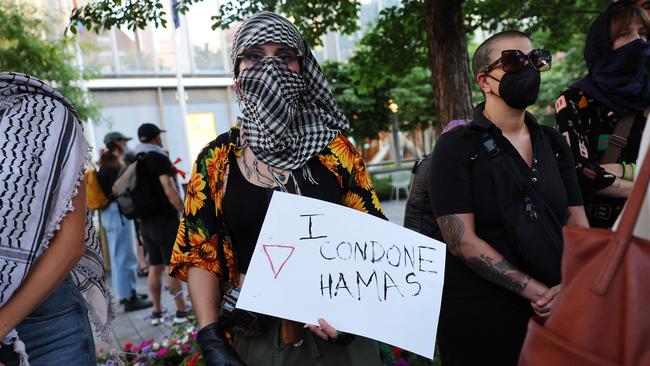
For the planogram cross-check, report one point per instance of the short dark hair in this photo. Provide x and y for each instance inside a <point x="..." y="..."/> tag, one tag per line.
<point x="481" y="58"/>
<point x="625" y="14"/>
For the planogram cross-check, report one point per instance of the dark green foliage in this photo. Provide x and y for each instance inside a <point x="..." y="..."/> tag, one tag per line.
<point x="564" y="72"/>
<point x="390" y="62"/>
<point x="562" y="19"/>
<point x="133" y="14"/>
<point x="25" y="48"/>
<point x="365" y="108"/>
<point x="414" y="96"/>
<point x="312" y="18"/>
<point x="392" y="58"/>
<point x="393" y="46"/>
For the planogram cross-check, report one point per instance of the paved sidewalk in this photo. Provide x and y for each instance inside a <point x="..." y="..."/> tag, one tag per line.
<point x="133" y="327"/>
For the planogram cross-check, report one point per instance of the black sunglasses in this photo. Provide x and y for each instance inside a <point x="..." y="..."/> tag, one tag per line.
<point x="515" y="60"/>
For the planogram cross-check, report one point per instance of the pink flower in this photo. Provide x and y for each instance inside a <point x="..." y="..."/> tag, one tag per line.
<point x="161" y="352"/>
<point x="186" y="348"/>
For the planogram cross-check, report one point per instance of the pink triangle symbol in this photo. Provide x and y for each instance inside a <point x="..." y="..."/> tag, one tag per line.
<point x="278" y="254"/>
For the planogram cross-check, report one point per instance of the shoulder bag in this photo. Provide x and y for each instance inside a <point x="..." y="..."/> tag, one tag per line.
<point x="602" y="315"/>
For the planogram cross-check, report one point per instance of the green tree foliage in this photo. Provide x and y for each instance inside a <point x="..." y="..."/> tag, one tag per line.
<point x="390" y="63"/>
<point x="313" y="18"/>
<point x="25" y="48"/>
<point x="365" y="108"/>
<point x="388" y="54"/>
<point x="568" y="67"/>
<point x="414" y="96"/>
<point x="393" y="46"/>
<point x="561" y="20"/>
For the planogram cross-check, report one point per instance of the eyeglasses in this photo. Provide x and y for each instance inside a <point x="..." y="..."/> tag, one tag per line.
<point x="256" y="57"/>
<point x="515" y="60"/>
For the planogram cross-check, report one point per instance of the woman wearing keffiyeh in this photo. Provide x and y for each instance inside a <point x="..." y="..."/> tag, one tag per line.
<point x="289" y="138"/>
<point x="51" y="269"/>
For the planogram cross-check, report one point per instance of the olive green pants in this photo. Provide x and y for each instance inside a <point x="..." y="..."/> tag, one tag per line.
<point x="268" y="349"/>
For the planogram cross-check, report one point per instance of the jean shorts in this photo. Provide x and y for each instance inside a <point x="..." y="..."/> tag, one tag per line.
<point x="58" y="331"/>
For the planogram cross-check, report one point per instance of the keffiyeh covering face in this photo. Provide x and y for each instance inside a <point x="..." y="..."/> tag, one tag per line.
<point x="43" y="153"/>
<point x="288" y="118"/>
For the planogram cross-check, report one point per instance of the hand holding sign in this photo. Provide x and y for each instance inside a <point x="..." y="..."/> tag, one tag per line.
<point x="366" y="276"/>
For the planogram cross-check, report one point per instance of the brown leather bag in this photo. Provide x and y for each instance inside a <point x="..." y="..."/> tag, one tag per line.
<point x="602" y="315"/>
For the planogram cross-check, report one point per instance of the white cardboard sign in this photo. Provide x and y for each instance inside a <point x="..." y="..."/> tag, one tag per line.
<point x="362" y="274"/>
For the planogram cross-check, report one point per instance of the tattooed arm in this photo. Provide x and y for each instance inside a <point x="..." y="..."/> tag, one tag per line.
<point x="482" y="258"/>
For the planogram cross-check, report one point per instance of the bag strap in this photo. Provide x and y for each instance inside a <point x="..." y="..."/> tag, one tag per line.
<point x="621" y="238"/>
<point x="618" y="140"/>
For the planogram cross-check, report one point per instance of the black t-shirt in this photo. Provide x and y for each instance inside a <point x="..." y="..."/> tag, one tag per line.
<point x="107" y="177"/>
<point x="155" y="165"/>
<point x="245" y="205"/>
<point x="460" y="182"/>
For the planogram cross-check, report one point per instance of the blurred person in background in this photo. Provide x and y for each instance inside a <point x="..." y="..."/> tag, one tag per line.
<point x="156" y="174"/>
<point x="119" y="229"/>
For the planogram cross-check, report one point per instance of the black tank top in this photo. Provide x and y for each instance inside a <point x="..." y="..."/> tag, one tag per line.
<point x="245" y="205"/>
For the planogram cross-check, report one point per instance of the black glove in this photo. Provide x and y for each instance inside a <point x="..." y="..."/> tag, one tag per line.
<point x="215" y="347"/>
<point x="595" y="177"/>
<point x="342" y="339"/>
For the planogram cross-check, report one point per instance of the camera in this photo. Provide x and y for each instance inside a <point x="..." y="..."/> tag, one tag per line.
<point x="241" y="322"/>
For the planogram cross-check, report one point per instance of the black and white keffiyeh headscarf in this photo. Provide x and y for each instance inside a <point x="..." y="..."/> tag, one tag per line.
<point x="288" y="118"/>
<point x="43" y="154"/>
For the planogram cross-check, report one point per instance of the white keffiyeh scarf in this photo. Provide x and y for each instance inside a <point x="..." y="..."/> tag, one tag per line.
<point x="288" y="118"/>
<point x="43" y="154"/>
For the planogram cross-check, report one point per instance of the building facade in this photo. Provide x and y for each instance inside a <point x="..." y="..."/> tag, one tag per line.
<point x="137" y="74"/>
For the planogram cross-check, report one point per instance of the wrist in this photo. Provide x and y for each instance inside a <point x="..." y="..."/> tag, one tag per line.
<point x="622" y="171"/>
<point x="534" y="290"/>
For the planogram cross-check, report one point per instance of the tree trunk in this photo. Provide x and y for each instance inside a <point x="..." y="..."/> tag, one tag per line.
<point x="448" y="59"/>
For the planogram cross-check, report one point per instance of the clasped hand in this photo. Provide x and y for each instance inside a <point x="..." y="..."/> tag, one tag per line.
<point x="543" y="305"/>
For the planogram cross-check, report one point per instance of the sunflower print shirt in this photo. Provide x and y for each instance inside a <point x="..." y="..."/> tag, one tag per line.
<point x="202" y="241"/>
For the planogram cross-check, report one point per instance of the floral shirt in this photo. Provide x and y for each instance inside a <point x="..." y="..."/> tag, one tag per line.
<point x="202" y="240"/>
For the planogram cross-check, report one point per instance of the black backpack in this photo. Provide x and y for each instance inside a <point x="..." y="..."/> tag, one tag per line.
<point x="418" y="215"/>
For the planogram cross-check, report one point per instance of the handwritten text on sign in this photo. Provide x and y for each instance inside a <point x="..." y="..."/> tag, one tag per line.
<point x="365" y="275"/>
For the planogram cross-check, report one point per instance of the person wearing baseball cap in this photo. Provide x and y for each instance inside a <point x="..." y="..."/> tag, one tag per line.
<point x="119" y="229"/>
<point x="115" y="136"/>
<point x="158" y="229"/>
<point x="147" y="132"/>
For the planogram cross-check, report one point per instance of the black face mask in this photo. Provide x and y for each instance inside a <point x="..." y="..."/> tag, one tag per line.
<point x="520" y="89"/>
